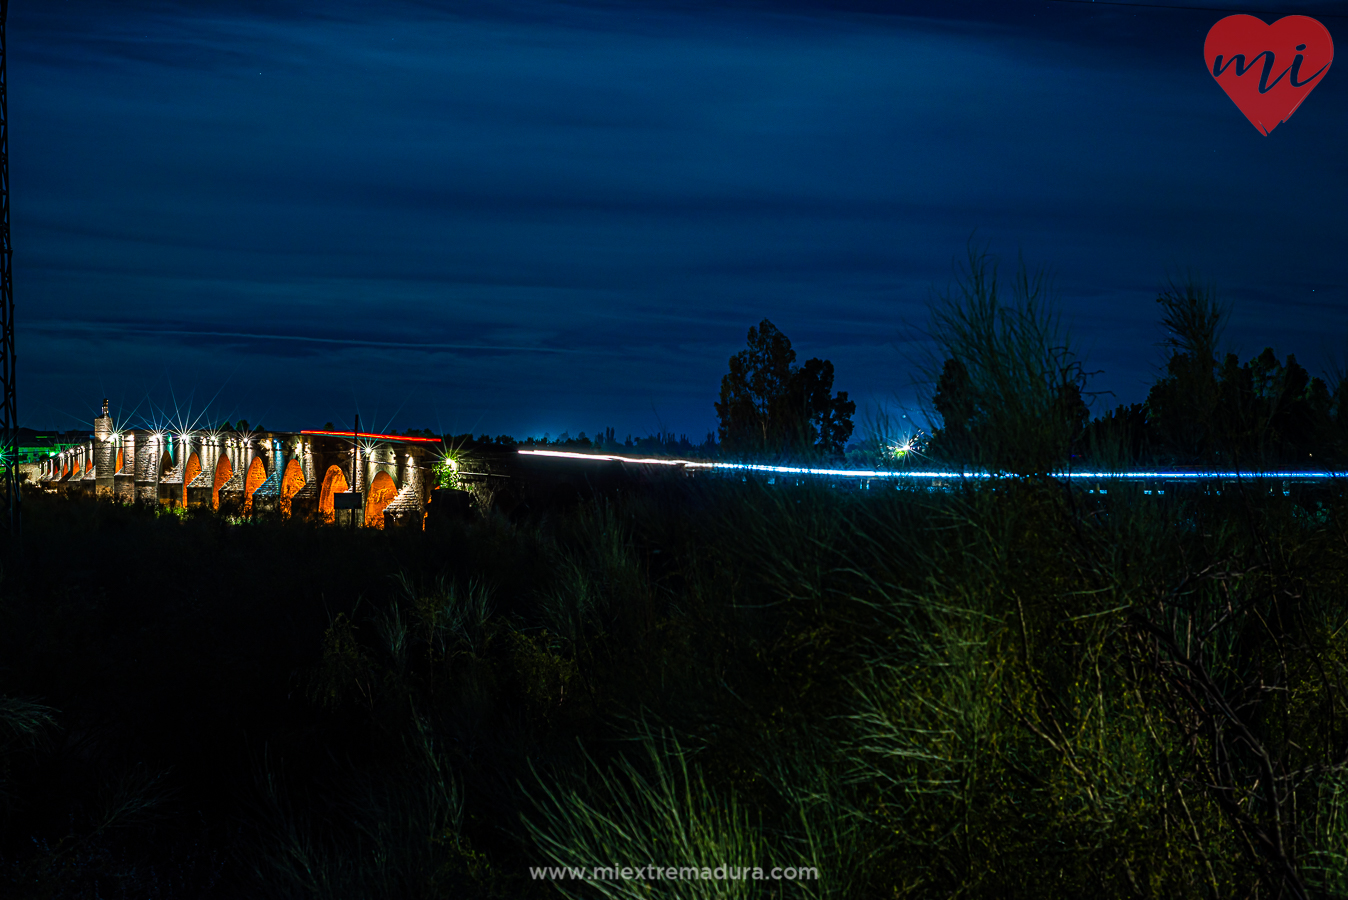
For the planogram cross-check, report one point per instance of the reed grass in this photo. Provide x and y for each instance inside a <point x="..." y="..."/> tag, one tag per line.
<point x="1009" y="689"/>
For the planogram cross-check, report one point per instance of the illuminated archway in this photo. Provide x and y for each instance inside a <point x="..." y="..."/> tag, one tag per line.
<point x="257" y="473"/>
<point x="382" y="492"/>
<point x="190" y="473"/>
<point x="121" y="460"/>
<point x="88" y="467"/>
<point x="224" y="470"/>
<point x="334" y="482"/>
<point x="291" y="482"/>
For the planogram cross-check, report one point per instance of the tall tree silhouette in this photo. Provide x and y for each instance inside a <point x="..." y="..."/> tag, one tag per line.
<point x="770" y="406"/>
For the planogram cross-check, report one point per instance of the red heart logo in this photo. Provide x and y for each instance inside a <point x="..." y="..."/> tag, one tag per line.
<point x="1268" y="69"/>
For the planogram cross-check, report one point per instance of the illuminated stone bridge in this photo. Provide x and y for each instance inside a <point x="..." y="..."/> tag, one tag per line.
<point x="306" y="473"/>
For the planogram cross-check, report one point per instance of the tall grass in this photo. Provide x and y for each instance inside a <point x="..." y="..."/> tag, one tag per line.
<point x="657" y="811"/>
<point x="998" y="729"/>
<point x="1006" y="690"/>
<point x="1013" y="396"/>
<point x="666" y="816"/>
<point x="402" y="837"/>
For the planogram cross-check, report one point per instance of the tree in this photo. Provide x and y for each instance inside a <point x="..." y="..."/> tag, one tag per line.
<point x="1270" y="411"/>
<point x="813" y="418"/>
<point x="954" y="403"/>
<point x="757" y="380"/>
<point x="1203" y="410"/>
<point x="1181" y="405"/>
<point x="770" y="406"/>
<point x="1118" y="438"/>
<point x="1011" y="390"/>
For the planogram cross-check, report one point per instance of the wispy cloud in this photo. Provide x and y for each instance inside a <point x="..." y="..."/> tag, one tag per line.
<point x="111" y="329"/>
<point x="582" y="206"/>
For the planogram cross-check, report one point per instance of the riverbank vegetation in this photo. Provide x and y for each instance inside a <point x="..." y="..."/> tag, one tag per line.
<point x="1004" y="690"/>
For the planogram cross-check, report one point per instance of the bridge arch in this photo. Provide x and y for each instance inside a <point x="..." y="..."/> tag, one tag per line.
<point x="224" y="470"/>
<point x="334" y="481"/>
<point x="387" y="468"/>
<point x="121" y="460"/>
<point x="190" y="472"/>
<point x="381" y="494"/>
<point x="257" y="474"/>
<point x="291" y="484"/>
<point x="254" y="478"/>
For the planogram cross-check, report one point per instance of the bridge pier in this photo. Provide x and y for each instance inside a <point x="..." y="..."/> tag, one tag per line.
<point x="200" y="491"/>
<point x="124" y="481"/>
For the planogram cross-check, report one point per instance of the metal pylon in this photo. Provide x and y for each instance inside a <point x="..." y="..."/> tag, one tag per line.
<point x="9" y="416"/>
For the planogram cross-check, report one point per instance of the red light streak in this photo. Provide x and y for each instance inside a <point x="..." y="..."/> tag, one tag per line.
<point x="376" y="437"/>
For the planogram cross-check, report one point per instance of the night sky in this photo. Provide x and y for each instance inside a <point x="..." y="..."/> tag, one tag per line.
<point x="530" y="217"/>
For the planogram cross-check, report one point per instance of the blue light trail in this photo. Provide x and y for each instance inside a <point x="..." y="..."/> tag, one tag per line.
<point x="933" y="475"/>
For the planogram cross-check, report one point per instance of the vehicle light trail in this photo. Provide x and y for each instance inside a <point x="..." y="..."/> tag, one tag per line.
<point x="405" y="438"/>
<point x="931" y="475"/>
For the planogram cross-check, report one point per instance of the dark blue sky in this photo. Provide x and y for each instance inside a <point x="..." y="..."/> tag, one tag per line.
<point x="530" y="217"/>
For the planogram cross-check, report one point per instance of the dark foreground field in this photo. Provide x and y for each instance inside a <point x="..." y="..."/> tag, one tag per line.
<point x="1009" y="692"/>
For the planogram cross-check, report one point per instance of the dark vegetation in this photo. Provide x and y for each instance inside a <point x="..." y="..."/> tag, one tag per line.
<point x="997" y="692"/>
<point x="1010" y="688"/>
<point x="1011" y="393"/>
<point x="770" y="407"/>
